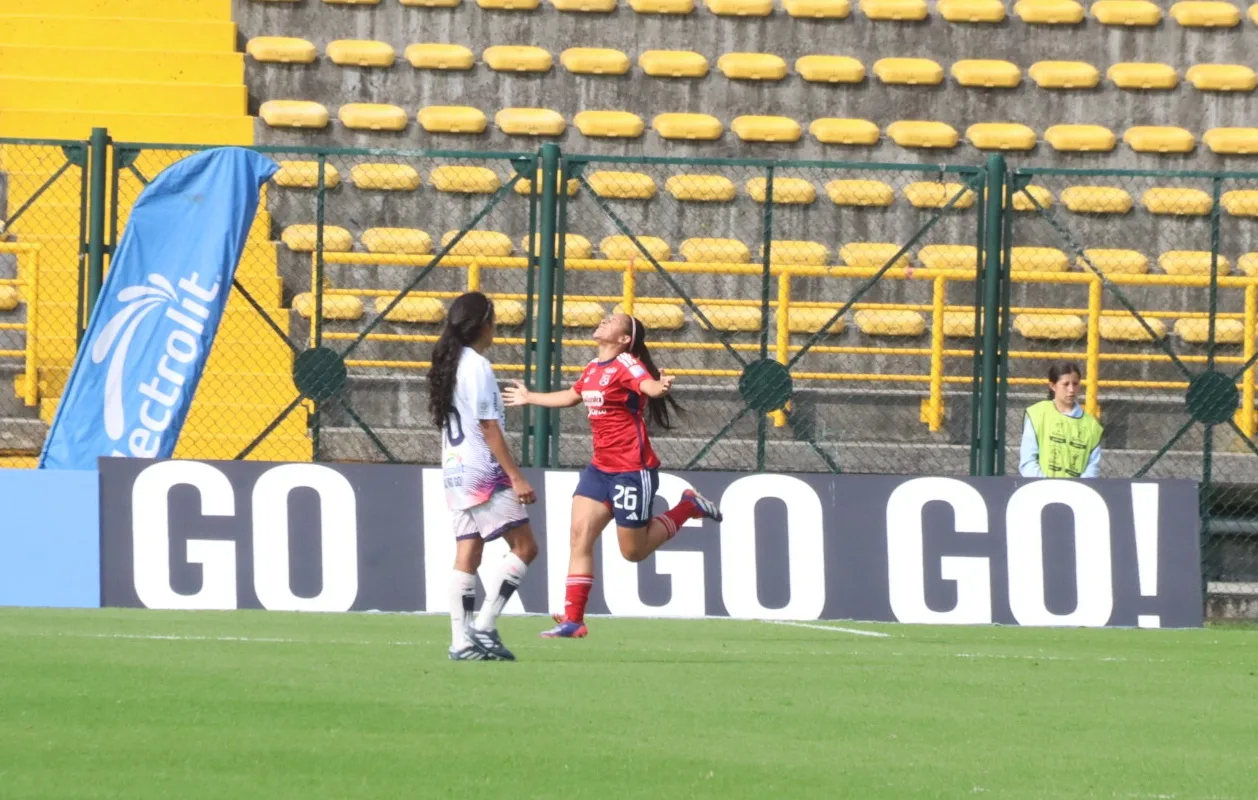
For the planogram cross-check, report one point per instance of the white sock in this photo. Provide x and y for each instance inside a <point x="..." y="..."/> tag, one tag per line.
<point x="504" y="583"/>
<point x="462" y="600"/>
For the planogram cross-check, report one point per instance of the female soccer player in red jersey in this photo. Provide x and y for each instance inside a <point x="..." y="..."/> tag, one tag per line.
<point x="620" y="389"/>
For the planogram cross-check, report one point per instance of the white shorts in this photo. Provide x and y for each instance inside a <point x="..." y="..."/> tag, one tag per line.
<point x="491" y="519"/>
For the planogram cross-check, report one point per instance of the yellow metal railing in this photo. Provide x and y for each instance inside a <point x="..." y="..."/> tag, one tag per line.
<point x="935" y="376"/>
<point x="28" y="289"/>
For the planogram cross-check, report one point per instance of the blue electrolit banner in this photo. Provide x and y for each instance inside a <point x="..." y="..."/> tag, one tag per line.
<point x="158" y="311"/>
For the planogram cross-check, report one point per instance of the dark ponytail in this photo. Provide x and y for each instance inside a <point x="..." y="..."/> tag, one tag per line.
<point x="1060" y="370"/>
<point x="657" y="408"/>
<point x="469" y="314"/>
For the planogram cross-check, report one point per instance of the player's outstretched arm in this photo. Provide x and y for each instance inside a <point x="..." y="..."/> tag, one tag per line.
<point x="517" y="394"/>
<point x="655" y="389"/>
<point x="497" y="444"/>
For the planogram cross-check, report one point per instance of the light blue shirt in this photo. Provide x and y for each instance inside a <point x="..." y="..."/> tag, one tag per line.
<point x="1029" y="460"/>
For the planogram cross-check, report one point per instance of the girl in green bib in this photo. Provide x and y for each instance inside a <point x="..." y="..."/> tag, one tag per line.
<point x="1059" y="438"/>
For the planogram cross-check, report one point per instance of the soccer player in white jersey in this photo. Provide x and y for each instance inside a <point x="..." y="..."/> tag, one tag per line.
<point x="484" y="487"/>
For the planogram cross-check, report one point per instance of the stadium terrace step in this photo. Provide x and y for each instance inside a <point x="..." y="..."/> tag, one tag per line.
<point x="106" y="63"/>
<point x="171" y="128"/>
<point x="112" y="95"/>
<point x="39" y="28"/>
<point x="204" y="10"/>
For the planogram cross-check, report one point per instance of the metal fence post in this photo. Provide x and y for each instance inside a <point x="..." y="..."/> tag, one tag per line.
<point x="96" y="219"/>
<point x="991" y="313"/>
<point x="545" y="339"/>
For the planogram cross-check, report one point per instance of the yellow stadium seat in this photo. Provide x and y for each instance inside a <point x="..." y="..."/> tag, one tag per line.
<point x="508" y="312"/>
<point x="1038" y="259"/>
<point x="385" y="177"/>
<point x="1049" y="12"/>
<point x="9" y="298"/>
<point x="574" y="246"/>
<point x="1096" y="200"/>
<point x="1192" y="262"/>
<point x="464" y="180"/>
<point x="740" y="8"/>
<point x="752" y="66"/>
<point x="811" y="320"/>
<point x="452" y="119"/>
<point x="530" y="122"/>
<point x="416" y="310"/>
<point x="629" y="248"/>
<point x="396" y="240"/>
<point x="373" y="117"/>
<point x="971" y="11"/>
<point x="594" y="61"/>
<point x="1114" y="262"/>
<point x="509" y="5"/>
<point x="766" y="129"/>
<point x="1137" y="75"/>
<point x="673" y="64"/>
<point x="517" y="58"/>
<point x="871" y="255"/>
<point x="582" y="314"/>
<point x="1240" y="202"/>
<point x="958" y="324"/>
<point x="1022" y="198"/>
<point x="1131" y="13"/>
<point x="1232" y="141"/>
<point x="986" y="73"/>
<point x="478" y="243"/>
<point x="609" y="124"/>
<point x="793" y="191"/>
<point x="1000" y="136"/>
<point x="929" y="194"/>
<point x="1081" y="138"/>
<point x="1248" y="264"/>
<point x="293" y="114"/>
<point x="701" y="188"/>
<point x="923" y="133"/>
<point x="1177" y="201"/>
<point x="894" y="10"/>
<point x="909" y="71"/>
<point x="830" y="69"/>
<point x="585" y="6"/>
<point x="281" y="50"/>
<point x="524" y="186"/>
<point x="1050" y="327"/>
<point x="305" y="175"/>
<point x="887" y="322"/>
<point x="832" y="130"/>
<point x="818" y="9"/>
<point x="303" y="238"/>
<point x="1064" y="74"/>
<point x="948" y="256"/>
<point x="622" y="185"/>
<point x="1253" y="13"/>
<point x="352" y="2"/>
<point x="440" y="56"/>
<point x="796" y="253"/>
<point x="431" y="3"/>
<point x="662" y="6"/>
<point x="1197" y="331"/>
<point x="361" y="53"/>
<point x="657" y="316"/>
<point x="731" y="319"/>
<point x="343" y="307"/>
<point x="1205" y="14"/>
<point x="1222" y="78"/>
<point x="1159" y="139"/>
<point x="693" y="127"/>
<point x="1129" y="329"/>
<point x="715" y="251"/>
<point x="860" y="193"/>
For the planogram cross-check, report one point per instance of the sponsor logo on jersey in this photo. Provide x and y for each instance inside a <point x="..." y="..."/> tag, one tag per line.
<point x="592" y="399"/>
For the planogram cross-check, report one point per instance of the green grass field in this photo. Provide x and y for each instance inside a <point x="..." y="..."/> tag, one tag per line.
<point x="125" y="704"/>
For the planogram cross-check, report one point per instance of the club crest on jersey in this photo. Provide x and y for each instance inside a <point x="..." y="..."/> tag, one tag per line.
<point x="606" y="379"/>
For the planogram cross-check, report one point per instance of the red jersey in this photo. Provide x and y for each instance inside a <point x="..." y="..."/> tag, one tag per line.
<point x="612" y="393"/>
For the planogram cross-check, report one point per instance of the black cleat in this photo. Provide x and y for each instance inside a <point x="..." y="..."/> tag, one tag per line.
<point x="490" y="645"/>
<point x="469" y="653"/>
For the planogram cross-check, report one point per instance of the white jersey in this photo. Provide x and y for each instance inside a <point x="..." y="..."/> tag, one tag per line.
<point x="470" y="471"/>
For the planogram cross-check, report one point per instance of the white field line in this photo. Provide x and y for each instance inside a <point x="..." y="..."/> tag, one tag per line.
<point x="832" y="628"/>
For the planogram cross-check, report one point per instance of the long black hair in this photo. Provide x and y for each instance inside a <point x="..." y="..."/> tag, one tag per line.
<point x="469" y="314"/>
<point x="658" y="409"/>
<point x="1060" y="370"/>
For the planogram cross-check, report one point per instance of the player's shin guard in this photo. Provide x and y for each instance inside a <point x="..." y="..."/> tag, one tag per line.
<point x="462" y="601"/>
<point x="504" y="584"/>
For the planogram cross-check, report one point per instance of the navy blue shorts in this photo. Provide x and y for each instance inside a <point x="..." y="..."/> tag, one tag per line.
<point x="628" y="494"/>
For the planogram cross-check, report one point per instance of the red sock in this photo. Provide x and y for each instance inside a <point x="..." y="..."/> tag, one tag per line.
<point x="577" y="595"/>
<point x="678" y="515"/>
